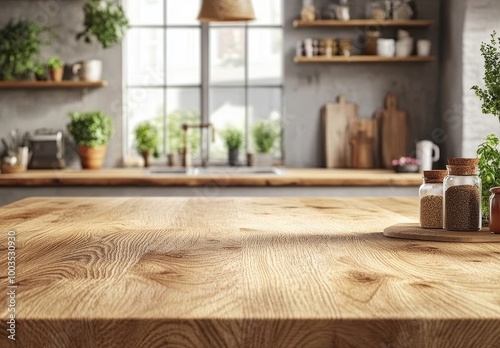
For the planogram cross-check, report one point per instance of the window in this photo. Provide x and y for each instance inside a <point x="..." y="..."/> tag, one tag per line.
<point x="178" y="71"/>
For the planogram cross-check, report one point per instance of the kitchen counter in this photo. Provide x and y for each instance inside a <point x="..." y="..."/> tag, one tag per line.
<point x="243" y="272"/>
<point x="139" y="177"/>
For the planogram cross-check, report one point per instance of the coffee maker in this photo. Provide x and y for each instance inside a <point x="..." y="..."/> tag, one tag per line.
<point x="47" y="149"/>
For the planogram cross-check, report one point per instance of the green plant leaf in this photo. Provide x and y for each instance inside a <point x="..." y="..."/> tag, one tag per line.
<point x="91" y="128"/>
<point x="233" y="138"/>
<point x="146" y="137"/>
<point x="264" y="136"/>
<point x="105" y="21"/>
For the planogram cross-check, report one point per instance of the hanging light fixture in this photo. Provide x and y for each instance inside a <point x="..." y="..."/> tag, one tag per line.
<point x="226" y="11"/>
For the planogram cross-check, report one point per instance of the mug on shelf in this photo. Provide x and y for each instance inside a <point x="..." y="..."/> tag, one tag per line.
<point x="424" y="48"/>
<point x="386" y="47"/>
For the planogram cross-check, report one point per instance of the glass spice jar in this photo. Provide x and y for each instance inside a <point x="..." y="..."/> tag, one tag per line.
<point x="308" y="12"/>
<point x="431" y="199"/>
<point x="462" y="195"/>
<point x="495" y="210"/>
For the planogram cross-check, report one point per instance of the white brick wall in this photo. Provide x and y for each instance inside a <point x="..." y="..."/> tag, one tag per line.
<point x="481" y="18"/>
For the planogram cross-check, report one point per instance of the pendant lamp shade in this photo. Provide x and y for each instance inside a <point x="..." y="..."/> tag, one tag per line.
<point x="226" y="11"/>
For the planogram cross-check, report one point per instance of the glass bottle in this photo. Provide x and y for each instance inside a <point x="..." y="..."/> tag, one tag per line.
<point x="343" y="11"/>
<point x="495" y="210"/>
<point x="462" y="195"/>
<point x="431" y="199"/>
<point x="308" y="12"/>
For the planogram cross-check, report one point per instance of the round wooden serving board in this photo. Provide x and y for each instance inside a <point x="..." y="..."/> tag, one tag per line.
<point x="414" y="231"/>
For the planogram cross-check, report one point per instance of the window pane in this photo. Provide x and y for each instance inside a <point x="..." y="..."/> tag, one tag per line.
<point x="267" y="12"/>
<point x="183" y="57"/>
<point x="265" y="104"/>
<point x="227" y="108"/>
<point x="183" y="12"/>
<point x="145" y="62"/>
<point x="145" y="12"/>
<point x="265" y="56"/>
<point x="227" y="56"/>
<point x="144" y="104"/>
<point x="183" y="106"/>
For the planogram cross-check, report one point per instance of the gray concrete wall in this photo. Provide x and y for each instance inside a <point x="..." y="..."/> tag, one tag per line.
<point x="307" y="87"/>
<point x="32" y="109"/>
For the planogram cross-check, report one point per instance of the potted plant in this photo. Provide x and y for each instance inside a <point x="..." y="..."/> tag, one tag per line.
<point x="489" y="156"/>
<point x="104" y="21"/>
<point x="175" y="135"/>
<point x="91" y="131"/>
<point x="264" y="136"/>
<point x="20" y="44"/>
<point x="147" y="139"/>
<point x="40" y="71"/>
<point x="233" y="138"/>
<point x="56" y="68"/>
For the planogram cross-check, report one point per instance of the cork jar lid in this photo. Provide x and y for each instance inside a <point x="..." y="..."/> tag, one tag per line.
<point x="462" y="170"/>
<point x="434" y="176"/>
<point x="463" y="161"/>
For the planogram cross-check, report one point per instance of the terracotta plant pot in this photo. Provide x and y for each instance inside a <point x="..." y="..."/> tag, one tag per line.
<point x="148" y="158"/>
<point x="92" y="157"/>
<point x="56" y="74"/>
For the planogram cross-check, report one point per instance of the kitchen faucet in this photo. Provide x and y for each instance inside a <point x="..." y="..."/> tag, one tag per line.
<point x="204" y="143"/>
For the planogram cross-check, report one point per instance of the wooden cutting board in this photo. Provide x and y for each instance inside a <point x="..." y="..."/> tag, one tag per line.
<point x="336" y="120"/>
<point x="393" y="131"/>
<point x="414" y="231"/>
<point x="363" y="134"/>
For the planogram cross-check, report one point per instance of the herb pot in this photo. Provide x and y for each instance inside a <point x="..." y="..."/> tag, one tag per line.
<point x="148" y="158"/>
<point x="495" y="210"/>
<point x="92" y="157"/>
<point x="56" y="74"/>
<point x="263" y="159"/>
<point x="172" y="160"/>
<point x="233" y="156"/>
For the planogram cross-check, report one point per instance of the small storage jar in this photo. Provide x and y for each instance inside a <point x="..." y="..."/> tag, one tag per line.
<point x="431" y="199"/>
<point x="462" y="195"/>
<point x="495" y="210"/>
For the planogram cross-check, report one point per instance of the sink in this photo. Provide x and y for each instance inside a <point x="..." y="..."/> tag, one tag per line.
<point x="236" y="170"/>
<point x="214" y="171"/>
<point x="167" y="170"/>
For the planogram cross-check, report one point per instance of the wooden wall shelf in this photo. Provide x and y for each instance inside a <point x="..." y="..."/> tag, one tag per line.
<point x="362" y="23"/>
<point x="364" y="59"/>
<point x="51" y="84"/>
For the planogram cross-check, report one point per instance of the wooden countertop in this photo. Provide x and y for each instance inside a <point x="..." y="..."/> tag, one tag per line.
<point x="139" y="177"/>
<point x="243" y="272"/>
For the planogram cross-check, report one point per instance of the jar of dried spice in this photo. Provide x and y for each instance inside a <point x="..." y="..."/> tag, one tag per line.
<point x="462" y="195"/>
<point x="431" y="199"/>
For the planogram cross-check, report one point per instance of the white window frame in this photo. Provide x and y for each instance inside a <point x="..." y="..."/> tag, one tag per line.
<point x="205" y="87"/>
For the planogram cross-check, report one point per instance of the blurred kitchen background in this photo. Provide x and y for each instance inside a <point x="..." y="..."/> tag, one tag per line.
<point x="170" y="69"/>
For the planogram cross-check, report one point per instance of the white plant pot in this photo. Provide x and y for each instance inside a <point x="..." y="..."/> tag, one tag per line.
<point x="89" y="70"/>
<point x="263" y="159"/>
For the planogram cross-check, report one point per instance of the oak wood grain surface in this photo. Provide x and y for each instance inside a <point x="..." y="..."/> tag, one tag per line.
<point x="139" y="177"/>
<point x="242" y="272"/>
